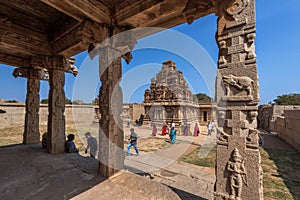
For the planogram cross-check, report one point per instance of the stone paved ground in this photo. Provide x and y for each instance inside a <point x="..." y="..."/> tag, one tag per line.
<point x="272" y="141"/>
<point x="27" y="172"/>
<point x="189" y="181"/>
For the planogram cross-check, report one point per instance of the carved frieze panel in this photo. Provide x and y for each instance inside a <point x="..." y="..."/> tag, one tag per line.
<point x="40" y="74"/>
<point x="238" y="88"/>
<point x="237" y="175"/>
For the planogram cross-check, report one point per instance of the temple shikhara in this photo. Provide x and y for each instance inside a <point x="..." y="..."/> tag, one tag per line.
<point x="39" y="37"/>
<point x="169" y="98"/>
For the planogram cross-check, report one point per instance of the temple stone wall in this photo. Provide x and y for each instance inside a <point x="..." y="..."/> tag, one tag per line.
<point x="15" y="114"/>
<point x="132" y="111"/>
<point x="136" y="110"/>
<point x="268" y="114"/>
<point x="285" y="120"/>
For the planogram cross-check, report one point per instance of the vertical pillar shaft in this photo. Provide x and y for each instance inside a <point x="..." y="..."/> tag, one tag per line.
<point x="31" y="128"/>
<point x="238" y="170"/>
<point x="56" y="108"/>
<point x="111" y="136"/>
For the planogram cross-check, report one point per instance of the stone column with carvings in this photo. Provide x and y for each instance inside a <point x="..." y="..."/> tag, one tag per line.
<point x="31" y="127"/>
<point x="238" y="170"/>
<point x="111" y="154"/>
<point x="110" y="51"/>
<point x="56" y="104"/>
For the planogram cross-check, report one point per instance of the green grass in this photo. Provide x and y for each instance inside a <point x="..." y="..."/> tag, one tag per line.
<point x="281" y="174"/>
<point x="281" y="171"/>
<point x="195" y="158"/>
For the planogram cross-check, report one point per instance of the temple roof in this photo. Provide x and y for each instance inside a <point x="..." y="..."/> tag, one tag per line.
<point x="55" y="27"/>
<point x="168" y="85"/>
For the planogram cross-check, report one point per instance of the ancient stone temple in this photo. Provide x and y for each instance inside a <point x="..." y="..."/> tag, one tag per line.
<point x="41" y="35"/>
<point x="169" y="98"/>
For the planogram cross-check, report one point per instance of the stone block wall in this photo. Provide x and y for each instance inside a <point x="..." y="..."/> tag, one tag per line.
<point x="136" y="110"/>
<point x="267" y="115"/>
<point x="14" y="114"/>
<point x="285" y="120"/>
<point x="288" y="127"/>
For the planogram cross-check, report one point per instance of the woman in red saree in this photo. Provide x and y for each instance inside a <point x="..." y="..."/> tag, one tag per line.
<point x="164" y="129"/>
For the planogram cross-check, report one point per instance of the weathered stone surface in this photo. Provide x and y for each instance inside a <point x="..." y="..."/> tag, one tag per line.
<point x="169" y="98"/>
<point x="237" y="98"/>
<point x="31" y="126"/>
<point x="285" y="120"/>
<point x="111" y="137"/>
<point x="56" y="106"/>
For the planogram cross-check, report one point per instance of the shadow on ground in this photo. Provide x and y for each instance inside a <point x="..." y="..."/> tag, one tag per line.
<point x="282" y="180"/>
<point x="28" y="172"/>
<point x="185" y="195"/>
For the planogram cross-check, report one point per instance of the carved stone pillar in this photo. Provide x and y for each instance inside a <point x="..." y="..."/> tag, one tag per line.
<point x="56" y="105"/>
<point x="31" y="127"/>
<point x="238" y="170"/>
<point x="111" y="138"/>
<point x="110" y="51"/>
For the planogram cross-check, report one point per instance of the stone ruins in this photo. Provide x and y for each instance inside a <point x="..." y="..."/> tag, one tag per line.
<point x="39" y="36"/>
<point x="169" y="98"/>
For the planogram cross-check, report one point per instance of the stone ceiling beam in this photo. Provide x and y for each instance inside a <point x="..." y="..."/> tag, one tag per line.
<point x="127" y="11"/>
<point x="13" y="60"/>
<point x="33" y="8"/>
<point x="16" y="16"/>
<point x="79" y="39"/>
<point x="76" y="41"/>
<point x="22" y="40"/>
<point x="159" y="13"/>
<point x="80" y="10"/>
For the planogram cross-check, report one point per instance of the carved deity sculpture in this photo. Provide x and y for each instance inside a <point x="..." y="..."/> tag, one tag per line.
<point x="241" y="83"/>
<point x="147" y="94"/>
<point x="237" y="175"/>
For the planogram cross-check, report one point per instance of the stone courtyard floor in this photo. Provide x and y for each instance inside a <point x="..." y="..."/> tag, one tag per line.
<point x="27" y="172"/>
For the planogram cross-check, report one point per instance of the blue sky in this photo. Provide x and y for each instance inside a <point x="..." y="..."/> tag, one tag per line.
<point x="277" y="49"/>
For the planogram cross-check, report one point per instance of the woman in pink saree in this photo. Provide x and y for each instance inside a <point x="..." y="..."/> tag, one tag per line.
<point x="196" y="130"/>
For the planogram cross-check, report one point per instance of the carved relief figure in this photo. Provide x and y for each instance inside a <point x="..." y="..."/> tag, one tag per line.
<point x="242" y="83"/>
<point x="252" y="138"/>
<point x="237" y="175"/>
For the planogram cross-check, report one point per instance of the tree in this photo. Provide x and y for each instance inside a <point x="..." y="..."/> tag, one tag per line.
<point x="68" y="101"/>
<point x="201" y="97"/>
<point x="46" y="101"/>
<point x="78" y="102"/>
<point x="288" y="99"/>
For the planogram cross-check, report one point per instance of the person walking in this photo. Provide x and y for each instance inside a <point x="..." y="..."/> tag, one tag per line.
<point x="172" y="124"/>
<point x="172" y="135"/>
<point x="185" y="129"/>
<point x="132" y="142"/>
<point x="91" y="144"/>
<point x="154" y="130"/>
<point x="180" y="129"/>
<point x="164" y="129"/>
<point x="196" y="130"/>
<point x="210" y="127"/>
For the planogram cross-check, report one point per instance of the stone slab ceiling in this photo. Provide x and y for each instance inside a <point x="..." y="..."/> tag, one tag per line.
<point x="55" y="27"/>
